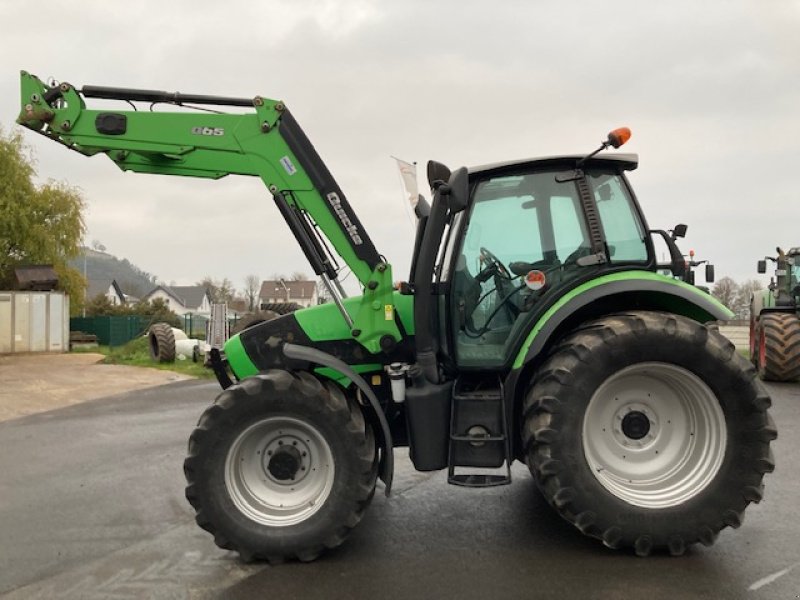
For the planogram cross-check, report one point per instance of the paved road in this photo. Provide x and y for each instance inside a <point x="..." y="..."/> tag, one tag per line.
<point x="92" y="506"/>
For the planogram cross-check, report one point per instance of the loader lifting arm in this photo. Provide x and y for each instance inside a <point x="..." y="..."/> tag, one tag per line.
<point x="266" y="142"/>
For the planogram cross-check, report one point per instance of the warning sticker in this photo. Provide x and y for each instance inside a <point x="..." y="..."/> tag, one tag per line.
<point x="388" y="312"/>
<point x="535" y="280"/>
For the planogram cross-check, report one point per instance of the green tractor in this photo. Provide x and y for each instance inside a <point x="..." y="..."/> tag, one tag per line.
<point x="533" y="327"/>
<point x="774" y="320"/>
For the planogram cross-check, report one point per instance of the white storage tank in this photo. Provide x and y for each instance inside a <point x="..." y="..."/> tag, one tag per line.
<point x="34" y="322"/>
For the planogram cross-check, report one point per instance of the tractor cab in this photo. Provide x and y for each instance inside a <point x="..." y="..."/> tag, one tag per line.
<point x="531" y="231"/>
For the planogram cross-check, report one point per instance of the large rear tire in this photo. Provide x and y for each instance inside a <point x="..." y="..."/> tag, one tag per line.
<point x="780" y="350"/>
<point x="281" y="467"/>
<point x="161" y="340"/>
<point x="648" y="431"/>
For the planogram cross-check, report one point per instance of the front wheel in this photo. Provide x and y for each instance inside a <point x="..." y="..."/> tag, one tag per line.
<point x="281" y="467"/>
<point x="648" y="431"/>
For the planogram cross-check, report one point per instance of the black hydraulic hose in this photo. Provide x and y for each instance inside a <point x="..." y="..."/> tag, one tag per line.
<point x="113" y="93"/>
<point x="304" y="353"/>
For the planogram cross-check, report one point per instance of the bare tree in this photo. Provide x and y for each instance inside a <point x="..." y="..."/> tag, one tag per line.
<point x="252" y="285"/>
<point x="220" y="291"/>
<point x="743" y="295"/>
<point x="298" y="276"/>
<point x="725" y="291"/>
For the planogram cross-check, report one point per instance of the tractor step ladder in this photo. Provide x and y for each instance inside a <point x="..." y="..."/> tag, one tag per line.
<point x="479" y="437"/>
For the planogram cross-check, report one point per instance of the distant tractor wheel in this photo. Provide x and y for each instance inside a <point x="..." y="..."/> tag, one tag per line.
<point x="649" y="432"/>
<point x="162" y="343"/>
<point x="281" y="467"/>
<point x="779" y="358"/>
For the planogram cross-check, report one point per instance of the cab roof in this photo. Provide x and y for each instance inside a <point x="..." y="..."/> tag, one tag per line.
<point x="627" y="162"/>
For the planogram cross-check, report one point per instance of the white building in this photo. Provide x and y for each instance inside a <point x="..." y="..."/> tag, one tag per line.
<point x="183" y="300"/>
<point x="282" y="291"/>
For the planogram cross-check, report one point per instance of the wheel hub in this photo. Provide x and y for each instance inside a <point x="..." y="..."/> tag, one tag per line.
<point x="286" y="459"/>
<point x="285" y="463"/>
<point x="635" y="425"/>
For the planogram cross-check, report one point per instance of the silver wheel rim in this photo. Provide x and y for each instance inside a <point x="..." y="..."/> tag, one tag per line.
<point x="279" y="471"/>
<point x="654" y="435"/>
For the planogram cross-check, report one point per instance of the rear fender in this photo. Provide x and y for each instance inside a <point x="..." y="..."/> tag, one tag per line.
<point x="602" y="296"/>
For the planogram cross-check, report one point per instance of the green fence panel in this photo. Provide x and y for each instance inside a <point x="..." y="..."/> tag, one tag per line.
<point x="111" y="331"/>
<point x="195" y="325"/>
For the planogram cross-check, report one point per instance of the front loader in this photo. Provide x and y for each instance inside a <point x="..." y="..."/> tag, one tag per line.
<point x="775" y="320"/>
<point x="533" y="327"/>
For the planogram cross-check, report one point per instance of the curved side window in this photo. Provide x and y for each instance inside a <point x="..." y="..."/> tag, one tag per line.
<point x="623" y="230"/>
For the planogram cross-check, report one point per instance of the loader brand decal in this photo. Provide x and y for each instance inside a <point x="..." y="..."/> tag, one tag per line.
<point x="351" y="229"/>
<point x="288" y="165"/>
<point x="208" y="131"/>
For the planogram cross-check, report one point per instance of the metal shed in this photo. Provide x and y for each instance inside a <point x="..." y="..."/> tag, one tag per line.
<point x="34" y="322"/>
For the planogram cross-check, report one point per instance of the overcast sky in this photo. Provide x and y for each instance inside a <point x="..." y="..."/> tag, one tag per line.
<point x="710" y="89"/>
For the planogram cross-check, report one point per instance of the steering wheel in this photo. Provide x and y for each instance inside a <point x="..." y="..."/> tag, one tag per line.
<point x="492" y="261"/>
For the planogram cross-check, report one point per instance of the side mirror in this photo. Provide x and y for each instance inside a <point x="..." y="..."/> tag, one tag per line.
<point x="437" y="174"/>
<point x="459" y="190"/>
<point x="710" y="273"/>
<point x="762" y="266"/>
<point x="679" y="231"/>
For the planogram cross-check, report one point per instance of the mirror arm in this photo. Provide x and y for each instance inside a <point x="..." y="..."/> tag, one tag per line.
<point x="677" y="263"/>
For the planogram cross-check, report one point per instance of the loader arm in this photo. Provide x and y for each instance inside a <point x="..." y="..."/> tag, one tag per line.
<point x="266" y="142"/>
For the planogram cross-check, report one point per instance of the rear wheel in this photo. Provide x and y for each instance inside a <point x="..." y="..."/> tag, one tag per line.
<point x="780" y="347"/>
<point x="281" y="467"/>
<point x="648" y="431"/>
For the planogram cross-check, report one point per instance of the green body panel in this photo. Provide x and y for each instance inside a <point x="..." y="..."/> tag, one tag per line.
<point x="212" y="145"/>
<point x="643" y="276"/>
<point x="323" y="323"/>
<point x="238" y="359"/>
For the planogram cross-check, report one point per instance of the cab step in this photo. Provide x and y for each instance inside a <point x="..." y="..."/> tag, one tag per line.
<point x="478" y="435"/>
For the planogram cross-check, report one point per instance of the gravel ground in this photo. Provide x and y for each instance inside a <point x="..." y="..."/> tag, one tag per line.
<point x="34" y="383"/>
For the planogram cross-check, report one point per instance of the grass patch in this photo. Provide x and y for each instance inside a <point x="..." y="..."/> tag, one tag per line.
<point x="136" y="353"/>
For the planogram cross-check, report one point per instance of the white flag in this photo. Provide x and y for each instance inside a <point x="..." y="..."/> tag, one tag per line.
<point x="408" y="175"/>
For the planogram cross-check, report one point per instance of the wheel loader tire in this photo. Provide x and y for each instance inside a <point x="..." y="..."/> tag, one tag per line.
<point x="162" y="343"/>
<point x="281" y="467"/>
<point x="649" y="432"/>
<point x="779" y="347"/>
